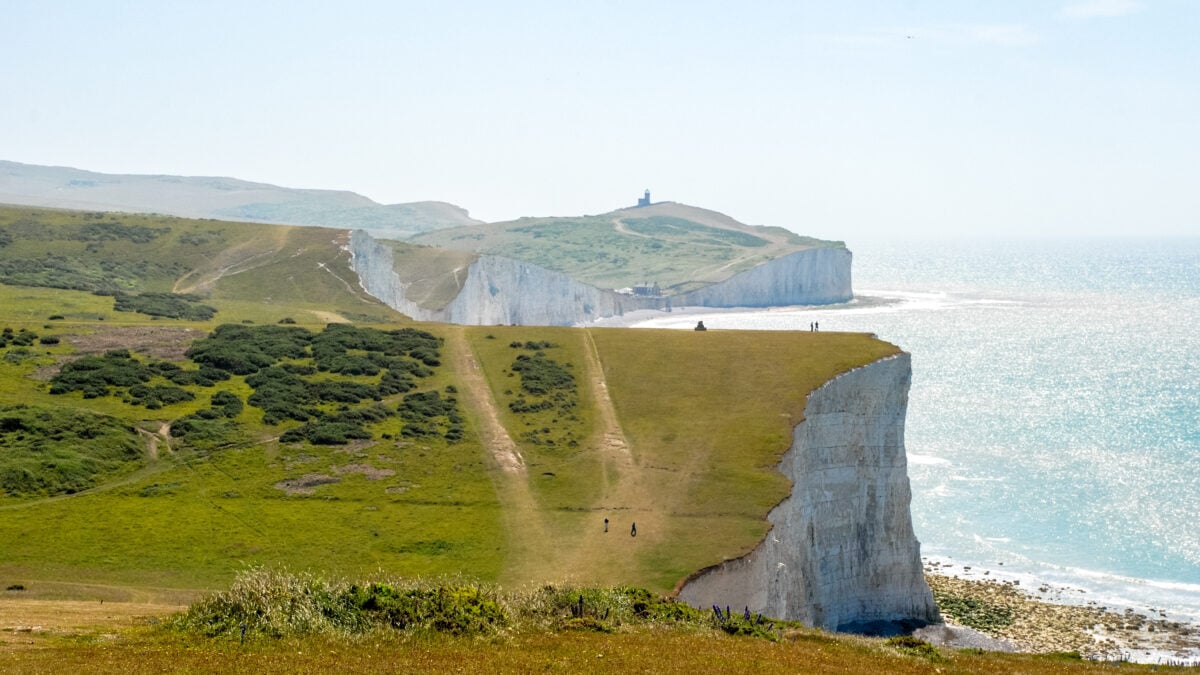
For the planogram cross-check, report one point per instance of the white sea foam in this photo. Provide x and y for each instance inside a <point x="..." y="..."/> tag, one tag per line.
<point x="927" y="460"/>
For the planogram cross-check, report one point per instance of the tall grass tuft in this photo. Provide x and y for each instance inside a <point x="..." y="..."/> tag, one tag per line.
<point x="272" y="603"/>
<point x="265" y="602"/>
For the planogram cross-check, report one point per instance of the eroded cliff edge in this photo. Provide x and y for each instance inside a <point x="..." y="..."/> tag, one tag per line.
<point x="841" y="553"/>
<point x="494" y="290"/>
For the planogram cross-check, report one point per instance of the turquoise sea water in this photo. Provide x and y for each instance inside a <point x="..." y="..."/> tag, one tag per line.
<point x="1053" y="427"/>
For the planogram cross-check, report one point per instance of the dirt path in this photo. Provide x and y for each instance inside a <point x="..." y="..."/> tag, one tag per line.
<point x="551" y="546"/>
<point x="532" y="553"/>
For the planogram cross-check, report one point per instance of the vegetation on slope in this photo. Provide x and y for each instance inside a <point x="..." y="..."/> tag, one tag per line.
<point x="46" y="452"/>
<point x="177" y="268"/>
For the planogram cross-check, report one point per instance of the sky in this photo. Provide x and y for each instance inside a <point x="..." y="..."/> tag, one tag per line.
<point x="841" y="120"/>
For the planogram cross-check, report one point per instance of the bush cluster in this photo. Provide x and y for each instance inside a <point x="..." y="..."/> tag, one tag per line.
<point x="541" y="376"/>
<point x="282" y="394"/>
<point x="532" y="345"/>
<point x="425" y="413"/>
<point x="337" y="428"/>
<point x="546" y="385"/>
<point x="21" y="338"/>
<point x="349" y="350"/>
<point x="95" y="376"/>
<point x="155" y="397"/>
<point x="169" y="305"/>
<point x="212" y="425"/>
<point x="244" y="350"/>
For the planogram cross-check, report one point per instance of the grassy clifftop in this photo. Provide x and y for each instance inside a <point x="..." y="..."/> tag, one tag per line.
<point x="679" y="247"/>
<point x="235" y="424"/>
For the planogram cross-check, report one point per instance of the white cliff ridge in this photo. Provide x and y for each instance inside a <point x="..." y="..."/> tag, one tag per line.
<point x="498" y="290"/>
<point x="841" y="553"/>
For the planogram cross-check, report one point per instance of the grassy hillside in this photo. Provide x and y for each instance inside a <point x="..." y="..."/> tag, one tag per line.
<point x="216" y="197"/>
<point x="247" y="272"/>
<point x="677" y="246"/>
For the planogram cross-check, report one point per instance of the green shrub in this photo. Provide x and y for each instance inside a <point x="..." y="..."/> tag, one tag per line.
<point x="244" y="350"/>
<point x="914" y="646"/>
<point x="93" y="375"/>
<point x="540" y="375"/>
<point x="170" y="305"/>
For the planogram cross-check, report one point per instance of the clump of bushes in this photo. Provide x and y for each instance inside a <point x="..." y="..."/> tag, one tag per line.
<point x="94" y="375"/>
<point x="425" y="413"/>
<point x="155" y="397"/>
<point x="531" y="345"/>
<point x="541" y="376"/>
<point x="244" y="350"/>
<point x="21" y="338"/>
<point x="169" y="305"/>
<point x="211" y="426"/>
<point x="338" y="428"/>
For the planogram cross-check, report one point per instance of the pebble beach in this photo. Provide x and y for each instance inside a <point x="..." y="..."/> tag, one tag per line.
<point x="1029" y="622"/>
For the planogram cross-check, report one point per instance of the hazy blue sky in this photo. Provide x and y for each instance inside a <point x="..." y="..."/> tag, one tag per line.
<point x="839" y="119"/>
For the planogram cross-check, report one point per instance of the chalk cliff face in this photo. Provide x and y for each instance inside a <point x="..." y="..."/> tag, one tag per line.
<point x="841" y="553"/>
<point x="816" y="276"/>
<point x="499" y="290"/>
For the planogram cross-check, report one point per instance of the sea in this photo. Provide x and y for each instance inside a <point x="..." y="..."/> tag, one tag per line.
<point x="1053" y="427"/>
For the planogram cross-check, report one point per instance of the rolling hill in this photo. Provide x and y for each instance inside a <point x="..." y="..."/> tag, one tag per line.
<point x="224" y="198"/>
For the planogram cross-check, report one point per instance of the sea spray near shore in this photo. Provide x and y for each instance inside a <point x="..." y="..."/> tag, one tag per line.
<point x="1054" y="405"/>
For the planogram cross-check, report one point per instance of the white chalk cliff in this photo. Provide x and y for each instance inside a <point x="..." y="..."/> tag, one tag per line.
<point x="499" y="290"/>
<point x="841" y="553"/>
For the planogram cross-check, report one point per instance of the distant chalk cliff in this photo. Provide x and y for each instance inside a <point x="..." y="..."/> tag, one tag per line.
<point x="841" y="553"/>
<point x="498" y="290"/>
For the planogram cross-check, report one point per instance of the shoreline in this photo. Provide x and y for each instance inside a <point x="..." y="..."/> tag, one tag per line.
<point x="1003" y="609"/>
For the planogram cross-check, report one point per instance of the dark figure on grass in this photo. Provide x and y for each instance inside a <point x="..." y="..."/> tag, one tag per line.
<point x="633" y="530"/>
<point x="606" y="524"/>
